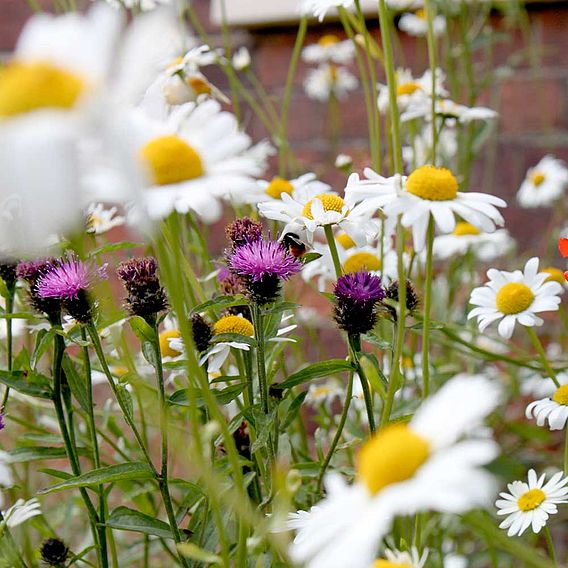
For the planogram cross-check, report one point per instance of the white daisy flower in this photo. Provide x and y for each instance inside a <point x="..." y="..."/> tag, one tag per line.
<point x="329" y="49"/>
<point x="416" y="24"/>
<point x="536" y="385"/>
<point x="319" y="8"/>
<point x="544" y="184"/>
<point x="514" y="296"/>
<point x="343" y="162"/>
<point x="301" y="188"/>
<point x="324" y="393"/>
<point x="530" y="504"/>
<point x="465" y="237"/>
<point x="455" y="561"/>
<point x="21" y="511"/>
<point x="406" y="559"/>
<point x="405" y="468"/>
<point x="411" y="89"/>
<point x="241" y="59"/>
<point x="447" y="109"/>
<point x="553" y="410"/>
<point x="101" y="220"/>
<point x="420" y="152"/>
<point x="328" y="78"/>
<point x="140" y="5"/>
<point x="62" y="96"/>
<point x="6" y="478"/>
<point x="305" y="216"/>
<point x="194" y="160"/>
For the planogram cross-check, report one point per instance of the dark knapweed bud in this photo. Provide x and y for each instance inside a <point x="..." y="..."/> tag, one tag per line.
<point x="243" y="231"/>
<point x="8" y="273"/>
<point x="412" y="297"/>
<point x="54" y="552"/>
<point x="357" y="296"/>
<point x="31" y="271"/>
<point x="202" y="333"/>
<point x="146" y="297"/>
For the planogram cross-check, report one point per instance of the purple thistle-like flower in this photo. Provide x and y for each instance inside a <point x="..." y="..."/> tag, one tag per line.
<point x="357" y="296"/>
<point x="243" y="231"/>
<point x="2" y="422"/>
<point x="262" y="265"/>
<point x="31" y="271"/>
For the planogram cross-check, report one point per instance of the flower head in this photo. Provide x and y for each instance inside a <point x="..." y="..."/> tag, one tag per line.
<point x="544" y="184"/>
<point x="146" y="297"/>
<point x="8" y="268"/>
<point x="357" y="295"/>
<point x="202" y="332"/>
<point x="530" y="504"/>
<point x="412" y="297"/>
<point x="31" y="271"/>
<point x="54" y="552"/>
<point x="553" y="409"/>
<point x="243" y="231"/>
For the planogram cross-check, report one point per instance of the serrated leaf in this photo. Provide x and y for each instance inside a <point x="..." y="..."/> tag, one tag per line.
<point x="123" y="518"/>
<point x="27" y="382"/>
<point x="110" y="474"/>
<point x="315" y="371"/>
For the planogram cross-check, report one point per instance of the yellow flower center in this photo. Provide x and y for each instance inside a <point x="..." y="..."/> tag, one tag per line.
<point x="328" y="39"/>
<point x="345" y="241"/>
<point x="554" y="275"/>
<point x="407" y="88"/>
<point x="119" y="370"/>
<point x="321" y="391"/>
<point x="537" y="178"/>
<point x="329" y="201"/>
<point x="531" y="499"/>
<point x="172" y="160"/>
<point x="233" y="324"/>
<point x="199" y="86"/>
<point x="513" y="298"/>
<point x="381" y="563"/>
<point x="561" y="395"/>
<point x="278" y="186"/>
<point x="361" y="261"/>
<point x="165" y="348"/>
<point x="463" y="229"/>
<point x="434" y="184"/>
<point x="25" y="87"/>
<point x="421" y="13"/>
<point x="391" y="456"/>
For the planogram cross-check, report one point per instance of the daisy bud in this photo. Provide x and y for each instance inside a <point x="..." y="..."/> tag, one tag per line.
<point x="31" y="271"/>
<point x="412" y="297"/>
<point x="243" y="231"/>
<point x="202" y="333"/>
<point x="357" y="296"/>
<point x="8" y="272"/>
<point x="146" y="297"/>
<point x="263" y="265"/>
<point x="54" y="552"/>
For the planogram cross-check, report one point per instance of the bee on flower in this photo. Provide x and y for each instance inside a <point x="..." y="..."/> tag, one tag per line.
<point x="544" y="184"/>
<point x="101" y="220"/>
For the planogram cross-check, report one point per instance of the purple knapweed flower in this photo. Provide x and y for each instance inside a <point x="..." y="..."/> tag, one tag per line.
<point x="31" y="271"/>
<point x="2" y="421"/>
<point x="357" y="296"/>
<point x="262" y="265"/>
<point x="243" y="231"/>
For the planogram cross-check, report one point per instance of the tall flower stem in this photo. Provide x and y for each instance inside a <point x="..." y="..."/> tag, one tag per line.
<point x="566" y="452"/>
<point x="427" y="309"/>
<point x="9" y="343"/>
<point x="550" y="544"/>
<point x="542" y="354"/>
<point x="432" y="56"/>
<point x="355" y="348"/>
<point x="338" y="432"/>
<point x="333" y="250"/>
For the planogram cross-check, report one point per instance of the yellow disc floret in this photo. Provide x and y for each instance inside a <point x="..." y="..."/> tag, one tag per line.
<point x="165" y="347"/>
<point x="434" y="184"/>
<point x="463" y="229"/>
<point x="537" y="178"/>
<point x="381" y="563"/>
<point x="345" y="241"/>
<point x="561" y="395"/>
<point x="278" y="186"/>
<point x="25" y="87"/>
<point x="407" y="88"/>
<point x="420" y="13"/>
<point x="531" y="499"/>
<point x="233" y="324"/>
<point x="200" y="86"/>
<point x="391" y="456"/>
<point x="172" y="160"/>
<point x="361" y="261"/>
<point x="329" y="201"/>
<point x="328" y="39"/>
<point x="513" y="298"/>
<point x="554" y="275"/>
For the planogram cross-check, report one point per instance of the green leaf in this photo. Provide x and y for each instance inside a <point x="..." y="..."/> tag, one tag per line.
<point x="77" y="383"/>
<point x="55" y="473"/>
<point x="282" y="307"/>
<point x="374" y="373"/>
<point x="110" y="474"/>
<point x="27" y="382"/>
<point x="263" y="426"/>
<point x="123" y="518"/>
<point x="220" y="302"/>
<point x="376" y="341"/>
<point x="44" y="341"/>
<point x="114" y="247"/>
<point x="316" y="371"/>
<point x="293" y="410"/>
<point x="193" y="552"/>
<point x="310" y="257"/>
<point x="223" y="396"/>
<point x="34" y="453"/>
<point x="125" y="399"/>
<point x="142" y="329"/>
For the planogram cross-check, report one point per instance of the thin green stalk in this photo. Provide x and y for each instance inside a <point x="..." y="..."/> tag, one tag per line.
<point x="544" y="359"/>
<point x="333" y="250"/>
<point x="550" y="544"/>
<point x="9" y="344"/>
<point x="566" y="452"/>
<point x="355" y="348"/>
<point x="5" y="533"/>
<point x="427" y="309"/>
<point x="432" y="56"/>
<point x="338" y="433"/>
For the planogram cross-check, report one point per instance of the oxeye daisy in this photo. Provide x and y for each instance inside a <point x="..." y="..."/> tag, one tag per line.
<point x="514" y="297"/>
<point x="530" y="504"/>
<point x="448" y="110"/>
<point x="324" y="393"/>
<point x="319" y="8"/>
<point x="100" y="220"/>
<point x="21" y="511"/>
<point x="329" y="48"/>
<point x="544" y="184"/>
<point x="406" y="559"/>
<point x="553" y="410"/>
<point x="301" y="188"/>
<point x="416" y="23"/>
<point x="263" y="265"/>
<point x="327" y="79"/>
<point x="403" y="469"/>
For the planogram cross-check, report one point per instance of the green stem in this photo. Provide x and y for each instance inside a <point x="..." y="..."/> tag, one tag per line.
<point x="566" y="452"/>
<point x="427" y="309"/>
<point x="550" y="544"/>
<point x="430" y="14"/>
<point x="338" y="433"/>
<point x="540" y="349"/>
<point x="333" y="250"/>
<point x="355" y="348"/>
<point x="9" y="344"/>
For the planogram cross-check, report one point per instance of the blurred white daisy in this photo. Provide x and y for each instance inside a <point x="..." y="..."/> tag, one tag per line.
<point x="21" y="511"/>
<point x="553" y="410"/>
<point x="514" y="297"/>
<point x="241" y="59"/>
<point x="324" y="393"/>
<point x="329" y="49"/>
<point x="465" y="237"/>
<point x="328" y="78"/>
<point x="405" y="468"/>
<point x="419" y="153"/>
<point x="416" y="24"/>
<point x="530" y="504"/>
<point x="343" y="162"/>
<point x="101" y="220"/>
<point x="406" y="559"/>
<point x="448" y="110"/>
<point x="139" y="5"/>
<point x="544" y="184"/>
<point x="301" y="188"/>
<point x="536" y="385"/>
<point x="319" y="8"/>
